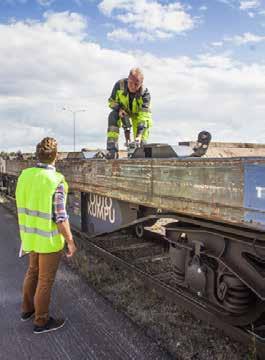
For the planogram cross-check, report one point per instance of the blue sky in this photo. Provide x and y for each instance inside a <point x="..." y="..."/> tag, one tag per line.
<point x="211" y="22"/>
<point x="204" y="64"/>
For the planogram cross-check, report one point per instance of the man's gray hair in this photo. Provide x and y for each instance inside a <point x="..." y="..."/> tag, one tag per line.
<point x="137" y="73"/>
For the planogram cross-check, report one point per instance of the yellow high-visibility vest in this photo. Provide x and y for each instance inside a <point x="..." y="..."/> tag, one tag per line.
<point x="34" y="198"/>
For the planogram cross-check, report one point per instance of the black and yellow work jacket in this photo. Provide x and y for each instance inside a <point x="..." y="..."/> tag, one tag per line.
<point x="137" y="105"/>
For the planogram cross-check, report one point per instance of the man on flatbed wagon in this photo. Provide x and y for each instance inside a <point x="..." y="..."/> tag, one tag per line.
<point x="130" y="104"/>
<point x="44" y="227"/>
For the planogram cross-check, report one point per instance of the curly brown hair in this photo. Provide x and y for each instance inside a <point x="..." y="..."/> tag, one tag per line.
<point x="46" y="150"/>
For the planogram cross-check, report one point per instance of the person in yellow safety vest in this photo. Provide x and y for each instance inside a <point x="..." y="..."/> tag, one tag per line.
<point x="44" y="227"/>
<point x="130" y="104"/>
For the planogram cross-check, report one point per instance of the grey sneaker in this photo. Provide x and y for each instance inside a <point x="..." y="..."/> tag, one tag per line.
<point x="25" y="316"/>
<point x="51" y="325"/>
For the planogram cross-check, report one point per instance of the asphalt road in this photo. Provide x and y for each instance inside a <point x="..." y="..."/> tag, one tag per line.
<point x="94" y="330"/>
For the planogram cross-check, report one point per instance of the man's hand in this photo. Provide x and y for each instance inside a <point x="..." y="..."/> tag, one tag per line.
<point x="122" y="113"/>
<point x="71" y="248"/>
<point x="64" y="229"/>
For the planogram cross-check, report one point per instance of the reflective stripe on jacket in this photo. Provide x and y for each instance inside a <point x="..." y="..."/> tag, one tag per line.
<point x="34" y="197"/>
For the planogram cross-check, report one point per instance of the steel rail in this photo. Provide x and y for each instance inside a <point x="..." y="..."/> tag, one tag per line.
<point x="199" y="309"/>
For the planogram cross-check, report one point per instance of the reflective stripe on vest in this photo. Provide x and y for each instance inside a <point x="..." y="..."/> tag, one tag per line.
<point x="31" y="230"/>
<point x="39" y="214"/>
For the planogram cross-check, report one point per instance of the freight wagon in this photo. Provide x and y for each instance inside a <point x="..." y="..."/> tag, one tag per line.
<point x="215" y="240"/>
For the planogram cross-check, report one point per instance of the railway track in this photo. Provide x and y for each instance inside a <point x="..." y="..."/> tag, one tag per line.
<point x="147" y="257"/>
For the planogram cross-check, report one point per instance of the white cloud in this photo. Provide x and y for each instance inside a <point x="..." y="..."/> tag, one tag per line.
<point x="120" y="34"/>
<point x="45" y="2"/>
<point x="162" y="34"/>
<point x="218" y="43"/>
<point x="49" y="67"/>
<point x="203" y="8"/>
<point x="150" y="16"/>
<point x="251" y="14"/>
<point x="249" y="4"/>
<point x="239" y="40"/>
<point x="244" y="5"/>
<point x="230" y="3"/>
<point x="66" y="22"/>
<point x="216" y="61"/>
<point x="138" y="36"/>
<point x="246" y="38"/>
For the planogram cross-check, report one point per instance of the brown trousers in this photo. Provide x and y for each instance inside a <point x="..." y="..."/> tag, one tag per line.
<point x="38" y="283"/>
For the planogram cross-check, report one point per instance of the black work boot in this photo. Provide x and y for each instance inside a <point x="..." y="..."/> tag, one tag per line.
<point x="112" y="149"/>
<point x="112" y="154"/>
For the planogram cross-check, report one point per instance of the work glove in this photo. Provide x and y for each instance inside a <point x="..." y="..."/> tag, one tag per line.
<point x="122" y="113"/>
<point x="202" y="144"/>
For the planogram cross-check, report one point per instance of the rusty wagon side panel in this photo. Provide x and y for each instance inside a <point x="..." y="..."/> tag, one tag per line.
<point x="214" y="189"/>
<point x="228" y="190"/>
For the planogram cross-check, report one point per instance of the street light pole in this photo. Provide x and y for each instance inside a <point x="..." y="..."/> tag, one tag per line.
<point x="74" y="120"/>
